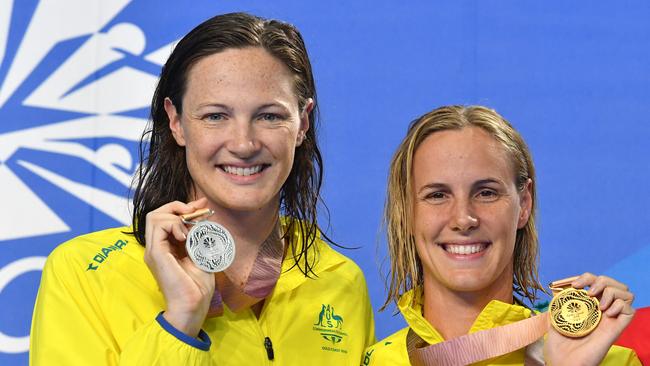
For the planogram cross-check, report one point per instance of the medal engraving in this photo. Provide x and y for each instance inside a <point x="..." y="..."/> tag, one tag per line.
<point x="210" y="246"/>
<point x="574" y="313"/>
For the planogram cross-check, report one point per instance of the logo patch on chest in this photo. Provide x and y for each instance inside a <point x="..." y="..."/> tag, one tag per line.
<point x="330" y="325"/>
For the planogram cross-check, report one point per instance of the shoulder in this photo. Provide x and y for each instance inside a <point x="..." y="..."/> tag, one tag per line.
<point x="332" y="263"/>
<point x="322" y="257"/>
<point x="92" y="251"/>
<point x="389" y="351"/>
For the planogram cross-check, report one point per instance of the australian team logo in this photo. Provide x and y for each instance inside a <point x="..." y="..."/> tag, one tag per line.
<point x="329" y="324"/>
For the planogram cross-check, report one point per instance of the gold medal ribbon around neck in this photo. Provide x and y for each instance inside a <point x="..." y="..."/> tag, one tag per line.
<point x="573" y="312"/>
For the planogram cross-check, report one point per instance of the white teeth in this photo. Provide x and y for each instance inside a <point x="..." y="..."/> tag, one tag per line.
<point x="464" y="249"/>
<point x="242" y="171"/>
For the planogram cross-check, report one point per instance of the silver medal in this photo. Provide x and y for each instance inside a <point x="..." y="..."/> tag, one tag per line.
<point x="210" y="246"/>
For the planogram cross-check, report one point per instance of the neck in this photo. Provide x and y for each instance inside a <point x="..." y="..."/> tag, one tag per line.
<point x="249" y="229"/>
<point x="452" y="313"/>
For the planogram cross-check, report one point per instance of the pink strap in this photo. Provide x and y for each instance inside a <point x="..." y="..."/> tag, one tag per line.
<point x="263" y="276"/>
<point x="478" y="346"/>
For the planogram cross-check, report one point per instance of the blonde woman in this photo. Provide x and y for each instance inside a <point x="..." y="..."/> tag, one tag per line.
<point x="463" y="244"/>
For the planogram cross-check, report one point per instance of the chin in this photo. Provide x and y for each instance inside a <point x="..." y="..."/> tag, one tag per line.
<point x="467" y="287"/>
<point x="247" y="202"/>
<point x="467" y="282"/>
<point x="243" y="206"/>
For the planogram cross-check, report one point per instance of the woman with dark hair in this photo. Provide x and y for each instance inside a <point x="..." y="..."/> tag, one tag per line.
<point x="233" y="135"/>
<point x="460" y="219"/>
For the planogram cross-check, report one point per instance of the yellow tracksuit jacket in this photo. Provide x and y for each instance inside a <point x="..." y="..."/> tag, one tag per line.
<point x="392" y="350"/>
<point x="98" y="304"/>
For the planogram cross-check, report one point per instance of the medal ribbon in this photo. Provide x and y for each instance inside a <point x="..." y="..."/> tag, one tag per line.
<point x="479" y="346"/>
<point x="260" y="281"/>
<point x="490" y="343"/>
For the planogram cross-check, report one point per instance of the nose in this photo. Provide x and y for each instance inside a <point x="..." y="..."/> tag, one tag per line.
<point x="463" y="217"/>
<point x="243" y="140"/>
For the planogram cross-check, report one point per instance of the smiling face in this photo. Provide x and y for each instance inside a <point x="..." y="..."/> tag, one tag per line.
<point x="467" y="210"/>
<point x="240" y="125"/>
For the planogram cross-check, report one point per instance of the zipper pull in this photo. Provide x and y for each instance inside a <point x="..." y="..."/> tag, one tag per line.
<point x="269" y="348"/>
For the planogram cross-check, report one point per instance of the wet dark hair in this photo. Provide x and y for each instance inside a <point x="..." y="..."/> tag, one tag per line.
<point x="163" y="175"/>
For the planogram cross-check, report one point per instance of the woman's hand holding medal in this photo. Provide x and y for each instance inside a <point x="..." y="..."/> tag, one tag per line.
<point x="187" y="289"/>
<point x="615" y="302"/>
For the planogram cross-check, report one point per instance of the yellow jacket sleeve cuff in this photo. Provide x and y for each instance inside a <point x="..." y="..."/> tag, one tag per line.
<point x="203" y="342"/>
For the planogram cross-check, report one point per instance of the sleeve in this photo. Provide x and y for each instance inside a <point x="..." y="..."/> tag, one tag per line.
<point x="367" y="356"/>
<point x="383" y="353"/>
<point x="618" y="355"/>
<point x="69" y="327"/>
<point x="165" y="345"/>
<point x="389" y="351"/>
<point x="366" y="313"/>
<point x="370" y="321"/>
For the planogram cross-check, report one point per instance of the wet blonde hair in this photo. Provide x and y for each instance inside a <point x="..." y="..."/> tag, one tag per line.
<point x="405" y="266"/>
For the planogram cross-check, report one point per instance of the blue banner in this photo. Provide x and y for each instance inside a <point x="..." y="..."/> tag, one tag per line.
<point x="76" y="79"/>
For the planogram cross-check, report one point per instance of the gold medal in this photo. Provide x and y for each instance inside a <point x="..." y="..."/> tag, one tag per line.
<point x="573" y="312"/>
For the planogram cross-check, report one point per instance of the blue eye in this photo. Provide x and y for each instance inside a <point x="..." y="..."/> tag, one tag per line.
<point x="487" y="195"/>
<point x="214" y="117"/>
<point x="271" y="117"/>
<point x="436" y="196"/>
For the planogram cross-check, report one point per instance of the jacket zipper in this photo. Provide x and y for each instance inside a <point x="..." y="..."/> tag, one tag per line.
<point x="268" y="345"/>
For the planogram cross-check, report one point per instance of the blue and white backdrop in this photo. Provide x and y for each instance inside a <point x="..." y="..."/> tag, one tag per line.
<point x="76" y="78"/>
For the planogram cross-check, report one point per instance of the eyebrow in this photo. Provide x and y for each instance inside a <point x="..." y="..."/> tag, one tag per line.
<point x="230" y="109"/>
<point x="269" y="105"/>
<point x="487" y="181"/>
<point x="433" y="186"/>
<point x="480" y="182"/>
<point x="217" y="105"/>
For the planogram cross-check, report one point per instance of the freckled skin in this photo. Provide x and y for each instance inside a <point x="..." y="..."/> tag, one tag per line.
<point x="464" y="189"/>
<point x="239" y="108"/>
